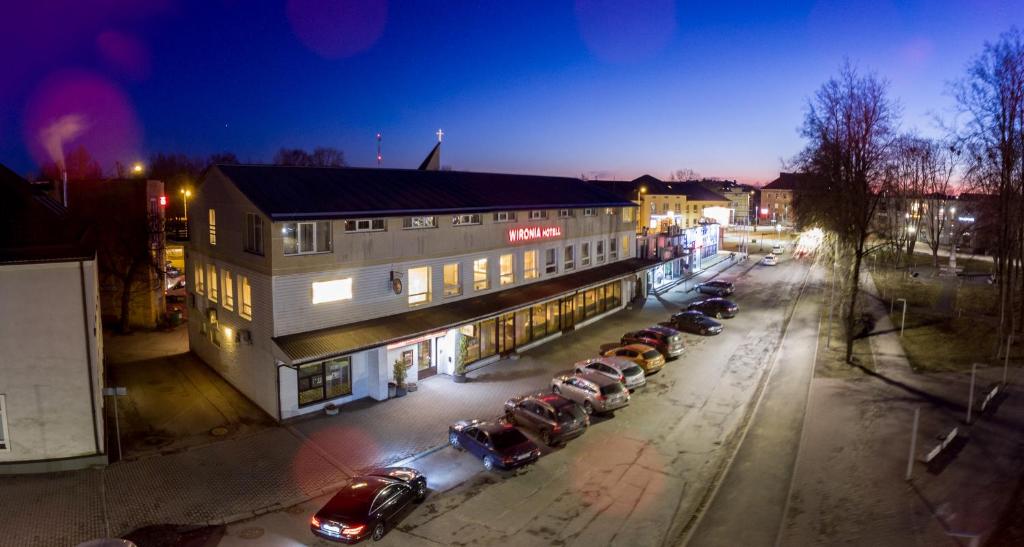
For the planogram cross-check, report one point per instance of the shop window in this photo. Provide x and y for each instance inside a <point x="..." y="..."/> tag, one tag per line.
<point x="628" y="214"/>
<point x="367" y="225"/>
<point x="301" y="238"/>
<point x="419" y="285"/>
<point x="253" y="234"/>
<point x="585" y="254"/>
<point x="553" y="317"/>
<point x="327" y="380"/>
<point x="530" y="265"/>
<point x="211" y="274"/>
<point x="506" y="269"/>
<point x="480" y="280"/>
<point x="613" y="249"/>
<point x="200" y="278"/>
<point x="229" y="290"/>
<point x="550" y="261"/>
<point x="569" y="261"/>
<point x="578" y="308"/>
<point x="213" y="228"/>
<point x="332" y="291"/>
<point x="599" y="251"/>
<point x="488" y="338"/>
<point x="613" y="293"/>
<point x="452" y="280"/>
<point x="470" y="343"/>
<point x="538" y="316"/>
<point x="5" y="445"/>
<point x="244" y="298"/>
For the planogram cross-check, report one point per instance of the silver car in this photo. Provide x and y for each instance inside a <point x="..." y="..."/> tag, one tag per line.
<point x="616" y="368"/>
<point x="596" y="392"/>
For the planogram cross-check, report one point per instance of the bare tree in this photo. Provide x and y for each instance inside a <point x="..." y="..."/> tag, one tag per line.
<point x="321" y="157"/>
<point x="850" y="125"/>
<point x="684" y="175"/>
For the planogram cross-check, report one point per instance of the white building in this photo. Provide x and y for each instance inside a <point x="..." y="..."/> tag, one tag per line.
<point x="307" y="284"/>
<point x="51" y="366"/>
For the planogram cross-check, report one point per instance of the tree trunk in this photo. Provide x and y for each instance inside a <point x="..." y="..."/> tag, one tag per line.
<point x="851" y="311"/>
<point x="126" y="299"/>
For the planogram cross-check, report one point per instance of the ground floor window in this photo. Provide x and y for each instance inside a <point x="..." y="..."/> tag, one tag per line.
<point x="4" y="443"/>
<point x="326" y="380"/>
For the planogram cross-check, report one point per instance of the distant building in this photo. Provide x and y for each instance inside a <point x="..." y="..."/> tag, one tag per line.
<point x="671" y="204"/>
<point x="51" y="355"/>
<point x="777" y="204"/>
<point x="742" y="199"/>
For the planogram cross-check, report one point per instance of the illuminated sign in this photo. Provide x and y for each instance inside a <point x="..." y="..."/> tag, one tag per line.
<point x="533" y="233"/>
<point x="163" y="201"/>
<point x="966" y="219"/>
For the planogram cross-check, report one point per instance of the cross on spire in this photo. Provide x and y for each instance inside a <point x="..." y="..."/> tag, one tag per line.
<point x="440" y="135"/>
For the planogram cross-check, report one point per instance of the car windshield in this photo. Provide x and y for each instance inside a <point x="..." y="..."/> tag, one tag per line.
<point x="507" y="438"/>
<point x="651" y="354"/>
<point x="611" y="389"/>
<point x="568" y="413"/>
<point x="632" y="371"/>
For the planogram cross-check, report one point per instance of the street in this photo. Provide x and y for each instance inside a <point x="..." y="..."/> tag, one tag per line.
<point x="633" y="479"/>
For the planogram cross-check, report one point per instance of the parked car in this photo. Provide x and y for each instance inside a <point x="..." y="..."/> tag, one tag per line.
<point x="669" y="342"/>
<point x="623" y="370"/>
<point x="500" y="446"/>
<point x="370" y="505"/>
<point x="555" y="418"/>
<point x="715" y="307"/>
<point x="717" y="288"/>
<point x="649" y="359"/>
<point x="778" y="249"/>
<point x="176" y="292"/>
<point x="696" y="322"/>
<point x="770" y="260"/>
<point x="594" y="391"/>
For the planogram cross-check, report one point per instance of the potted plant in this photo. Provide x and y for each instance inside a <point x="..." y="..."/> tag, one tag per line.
<point x="400" y="368"/>
<point x="460" y="361"/>
<point x="331" y="409"/>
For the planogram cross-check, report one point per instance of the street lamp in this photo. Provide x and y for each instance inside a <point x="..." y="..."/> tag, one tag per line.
<point x="137" y="168"/>
<point x="185" y="195"/>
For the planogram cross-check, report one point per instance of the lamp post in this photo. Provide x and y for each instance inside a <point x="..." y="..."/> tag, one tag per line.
<point x="185" y="194"/>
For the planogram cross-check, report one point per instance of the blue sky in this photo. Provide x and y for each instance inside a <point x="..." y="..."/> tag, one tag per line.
<point x="525" y="87"/>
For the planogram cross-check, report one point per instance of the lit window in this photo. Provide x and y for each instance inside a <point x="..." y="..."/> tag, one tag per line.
<point x="244" y="298"/>
<point x="332" y="291"/>
<point x="613" y="249"/>
<point x="588" y="212"/>
<point x="306" y="237"/>
<point x="480" y="280"/>
<point x="599" y="251"/>
<point x="416" y="223"/>
<point x="569" y="261"/>
<point x="4" y="444"/>
<point x="505" y="216"/>
<point x="365" y="225"/>
<point x="585" y="254"/>
<point x="211" y="274"/>
<point x="322" y="381"/>
<point x="629" y="214"/>
<point x="419" y="285"/>
<point x="506" y="269"/>
<point x="530" y="265"/>
<point x="253" y="233"/>
<point x="200" y="281"/>
<point x="550" y="261"/>
<point x="229" y="290"/>
<point x="465" y="220"/>
<point x="538" y="215"/>
<point x="564" y="213"/>
<point x="627" y="251"/>
<point x="213" y="227"/>
<point x="452" y="281"/>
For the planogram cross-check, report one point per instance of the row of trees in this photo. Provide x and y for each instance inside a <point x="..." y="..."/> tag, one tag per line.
<point x="860" y="163"/>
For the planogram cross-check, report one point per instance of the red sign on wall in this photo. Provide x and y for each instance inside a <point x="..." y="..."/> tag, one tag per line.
<point x="533" y="233"/>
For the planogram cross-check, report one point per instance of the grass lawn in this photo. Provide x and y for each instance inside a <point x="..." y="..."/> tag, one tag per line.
<point x="935" y="343"/>
<point x="831" y="362"/>
<point x="919" y="291"/>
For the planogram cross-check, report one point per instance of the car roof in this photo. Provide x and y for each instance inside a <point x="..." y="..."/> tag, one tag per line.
<point x="357" y="495"/>
<point x="667" y="331"/>
<point x="610" y="360"/>
<point x="600" y="379"/>
<point x="404" y="474"/>
<point x="637" y="347"/>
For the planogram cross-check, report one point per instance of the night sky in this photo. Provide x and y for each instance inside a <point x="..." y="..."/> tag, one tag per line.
<point x="600" y="87"/>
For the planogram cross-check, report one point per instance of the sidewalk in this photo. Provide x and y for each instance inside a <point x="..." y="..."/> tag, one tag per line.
<point x="282" y="466"/>
<point x="849" y="486"/>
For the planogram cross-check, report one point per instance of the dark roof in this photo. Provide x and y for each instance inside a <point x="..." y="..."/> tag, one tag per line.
<point x="786" y="181"/>
<point x="34" y="227"/>
<point x="333" y="341"/>
<point x="292" y="193"/>
<point x="628" y="188"/>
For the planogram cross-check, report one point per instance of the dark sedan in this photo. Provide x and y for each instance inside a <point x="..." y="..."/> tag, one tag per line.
<point x="555" y="418"/>
<point x="500" y="446"/>
<point x="717" y="288"/>
<point x="696" y="322"/>
<point x="370" y="505"/>
<point x="715" y="307"/>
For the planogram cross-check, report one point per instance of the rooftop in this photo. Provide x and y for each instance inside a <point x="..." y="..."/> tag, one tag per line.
<point x="628" y="188"/>
<point x="786" y="181"/>
<point x="34" y="227"/>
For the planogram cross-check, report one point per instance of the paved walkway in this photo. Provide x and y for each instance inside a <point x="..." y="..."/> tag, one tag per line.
<point x="280" y="466"/>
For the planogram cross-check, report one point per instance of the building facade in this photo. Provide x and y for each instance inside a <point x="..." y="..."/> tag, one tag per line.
<point x="777" y="204"/>
<point x="670" y="204"/>
<point x="742" y="200"/>
<point x="308" y="284"/>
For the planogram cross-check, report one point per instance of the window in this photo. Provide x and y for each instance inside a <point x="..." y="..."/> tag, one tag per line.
<point x="588" y="212"/>
<point x="613" y="249"/>
<point x="679" y="208"/>
<point x="610" y="211"/>
<point x="550" y="261"/>
<point x="505" y="216"/>
<point x="538" y="215"/>
<point x="211" y="274"/>
<point x="569" y="261"/>
<point x="5" y="445"/>
<point x="213" y="325"/>
<point x="585" y="254"/>
<point x="600" y="251"/>
<point x="213" y="227"/>
<point x="565" y="213"/>
<point x="199" y="278"/>
<point x="365" y="225"/>
<point x="419" y="285"/>
<point x="244" y="298"/>
<point x="626" y="249"/>
<point x="530" y="265"/>
<point x="480" y="281"/>
<point x="253" y="234"/>
<point x="332" y="291"/>
<point x="229" y="290"/>
<point x="506" y="269"/>
<point x="664" y="207"/>
<point x="306" y="237"/>
<point x="323" y="381"/>
<point x="417" y="223"/>
<point x="452" y="280"/>
<point x="465" y="220"/>
<point x="629" y="214"/>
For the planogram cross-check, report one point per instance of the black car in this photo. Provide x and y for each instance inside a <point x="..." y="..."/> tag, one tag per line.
<point x="696" y="322"/>
<point x="717" y="288"/>
<point x="555" y="418"/>
<point x="370" y="505"/>
<point x="715" y="307"/>
<point x="500" y="446"/>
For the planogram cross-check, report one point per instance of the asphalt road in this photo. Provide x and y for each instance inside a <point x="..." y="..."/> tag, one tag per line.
<point x="633" y="479"/>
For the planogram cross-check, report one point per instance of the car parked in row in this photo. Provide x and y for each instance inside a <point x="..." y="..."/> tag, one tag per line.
<point x="370" y="505"/>
<point x="500" y="446"/>
<point x="717" y="288"/>
<point x="715" y="307"/>
<point x="695" y="322"/>
<point x="649" y="359"/>
<point x="668" y="342"/>
<point x="593" y="391"/>
<point x="623" y="370"/>
<point x="770" y="260"/>
<point x="553" y="417"/>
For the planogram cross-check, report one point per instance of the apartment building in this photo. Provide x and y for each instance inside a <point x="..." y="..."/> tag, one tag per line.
<point x="308" y="284"/>
<point x="663" y="205"/>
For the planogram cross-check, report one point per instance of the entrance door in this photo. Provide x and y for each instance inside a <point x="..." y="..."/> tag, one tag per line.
<point x="568" y="317"/>
<point x="426" y="365"/>
<point x="506" y="333"/>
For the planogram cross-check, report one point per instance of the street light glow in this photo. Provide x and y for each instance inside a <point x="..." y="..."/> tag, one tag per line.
<point x="137" y="168"/>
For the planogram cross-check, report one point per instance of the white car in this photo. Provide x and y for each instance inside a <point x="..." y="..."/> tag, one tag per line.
<point x="617" y="368"/>
<point x="770" y="260"/>
<point x="777" y="249"/>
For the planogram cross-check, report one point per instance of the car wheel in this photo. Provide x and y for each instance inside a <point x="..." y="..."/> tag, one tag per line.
<point x="489" y="463"/>
<point x="587" y="407"/>
<point x="554" y="389"/>
<point x="545" y="437"/>
<point x="378" y="531"/>
<point x="718" y="315"/>
<point x="421" y="491"/>
<point x="453" y="439"/>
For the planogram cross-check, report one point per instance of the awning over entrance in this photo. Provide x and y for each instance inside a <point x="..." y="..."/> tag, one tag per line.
<point x="324" y="343"/>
